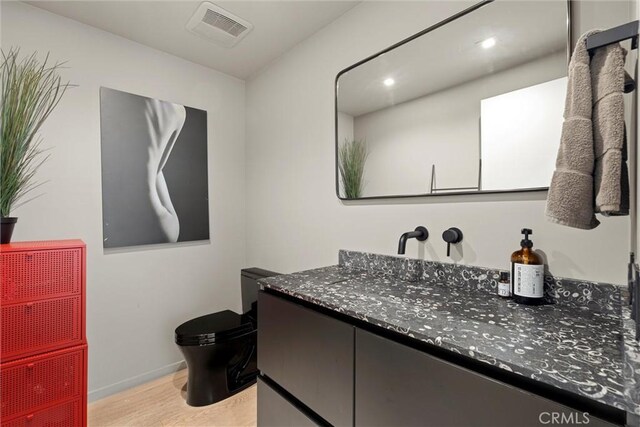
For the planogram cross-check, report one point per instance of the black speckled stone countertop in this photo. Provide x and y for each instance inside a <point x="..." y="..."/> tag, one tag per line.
<point x="577" y="342"/>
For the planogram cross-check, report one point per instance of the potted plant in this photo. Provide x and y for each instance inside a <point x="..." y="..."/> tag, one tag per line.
<point x="352" y="157"/>
<point x="31" y="89"/>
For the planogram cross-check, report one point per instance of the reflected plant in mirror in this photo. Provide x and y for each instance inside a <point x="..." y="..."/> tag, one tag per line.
<point x="352" y="158"/>
<point x="477" y="98"/>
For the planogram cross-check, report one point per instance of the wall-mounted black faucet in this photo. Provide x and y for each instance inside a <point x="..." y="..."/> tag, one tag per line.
<point x="452" y="235"/>
<point x="420" y="233"/>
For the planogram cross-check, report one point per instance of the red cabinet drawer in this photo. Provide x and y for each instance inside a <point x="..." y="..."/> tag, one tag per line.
<point x="29" y="275"/>
<point x="32" y="384"/>
<point x="31" y="328"/>
<point x="67" y="414"/>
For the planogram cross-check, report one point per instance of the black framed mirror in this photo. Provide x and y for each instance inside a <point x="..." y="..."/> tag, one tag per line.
<point x="470" y="105"/>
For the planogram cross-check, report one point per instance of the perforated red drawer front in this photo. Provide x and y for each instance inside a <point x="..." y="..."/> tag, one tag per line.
<point x="30" y="275"/>
<point x="37" y="382"/>
<point x="32" y="328"/>
<point x="67" y="414"/>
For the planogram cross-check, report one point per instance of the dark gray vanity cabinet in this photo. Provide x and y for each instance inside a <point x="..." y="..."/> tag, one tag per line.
<point x="274" y="410"/>
<point x="308" y="354"/>
<point x="318" y="369"/>
<point x="398" y="385"/>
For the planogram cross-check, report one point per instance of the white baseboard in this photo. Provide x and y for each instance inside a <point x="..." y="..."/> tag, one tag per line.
<point x="134" y="381"/>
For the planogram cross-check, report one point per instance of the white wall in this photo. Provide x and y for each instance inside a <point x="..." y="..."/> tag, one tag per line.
<point x="295" y="221"/>
<point x="135" y="299"/>
<point x="441" y="129"/>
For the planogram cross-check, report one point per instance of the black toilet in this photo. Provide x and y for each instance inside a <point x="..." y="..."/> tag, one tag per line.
<point x="220" y="348"/>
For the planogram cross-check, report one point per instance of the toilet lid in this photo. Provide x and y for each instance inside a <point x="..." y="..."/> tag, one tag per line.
<point x="211" y="328"/>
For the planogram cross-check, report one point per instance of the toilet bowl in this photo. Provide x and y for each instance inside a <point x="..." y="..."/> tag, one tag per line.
<point x="220" y="348"/>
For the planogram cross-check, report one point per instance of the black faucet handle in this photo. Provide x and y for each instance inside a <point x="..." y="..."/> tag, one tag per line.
<point x="452" y="235"/>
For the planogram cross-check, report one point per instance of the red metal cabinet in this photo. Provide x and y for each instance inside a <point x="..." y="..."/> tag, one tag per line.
<point x="43" y="350"/>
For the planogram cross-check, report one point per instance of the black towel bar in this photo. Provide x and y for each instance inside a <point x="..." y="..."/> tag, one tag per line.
<point x="614" y="35"/>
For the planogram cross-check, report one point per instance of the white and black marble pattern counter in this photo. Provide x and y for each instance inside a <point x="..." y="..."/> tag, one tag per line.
<point x="578" y="342"/>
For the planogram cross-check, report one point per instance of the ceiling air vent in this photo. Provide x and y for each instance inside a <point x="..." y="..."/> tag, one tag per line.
<point x="215" y="24"/>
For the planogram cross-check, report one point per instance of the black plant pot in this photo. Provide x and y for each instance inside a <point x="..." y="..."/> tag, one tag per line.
<point x="6" y="229"/>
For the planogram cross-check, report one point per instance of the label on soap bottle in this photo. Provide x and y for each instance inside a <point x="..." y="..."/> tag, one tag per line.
<point x="528" y="280"/>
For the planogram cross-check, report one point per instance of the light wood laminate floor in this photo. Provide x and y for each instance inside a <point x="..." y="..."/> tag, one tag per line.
<point x="162" y="403"/>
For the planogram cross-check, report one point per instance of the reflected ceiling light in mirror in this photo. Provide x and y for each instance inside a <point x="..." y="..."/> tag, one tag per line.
<point x="388" y="82"/>
<point x="488" y="43"/>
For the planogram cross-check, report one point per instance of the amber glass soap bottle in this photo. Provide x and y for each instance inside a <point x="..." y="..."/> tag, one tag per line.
<point x="527" y="273"/>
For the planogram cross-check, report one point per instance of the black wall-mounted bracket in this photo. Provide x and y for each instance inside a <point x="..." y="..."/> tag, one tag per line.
<point x="614" y="35"/>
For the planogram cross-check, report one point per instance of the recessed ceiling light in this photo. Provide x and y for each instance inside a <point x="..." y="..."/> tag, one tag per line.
<point x="488" y="43"/>
<point x="389" y="82"/>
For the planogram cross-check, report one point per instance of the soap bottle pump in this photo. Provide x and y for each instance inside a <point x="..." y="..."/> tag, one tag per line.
<point x="527" y="273"/>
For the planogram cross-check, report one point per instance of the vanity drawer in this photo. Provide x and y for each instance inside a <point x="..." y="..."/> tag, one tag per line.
<point x="276" y="411"/>
<point x="32" y="384"/>
<point x="308" y="354"/>
<point x="30" y="275"/>
<point x="398" y="385"/>
<point x="44" y="325"/>
<point x="65" y="414"/>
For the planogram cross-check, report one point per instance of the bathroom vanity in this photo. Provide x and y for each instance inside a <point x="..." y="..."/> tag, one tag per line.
<point x="381" y="340"/>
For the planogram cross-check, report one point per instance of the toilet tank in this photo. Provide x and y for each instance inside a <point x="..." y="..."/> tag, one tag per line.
<point x="249" y="286"/>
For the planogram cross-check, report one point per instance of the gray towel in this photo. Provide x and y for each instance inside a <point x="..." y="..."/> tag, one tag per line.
<point x="611" y="176"/>
<point x="570" y="200"/>
<point x="591" y="153"/>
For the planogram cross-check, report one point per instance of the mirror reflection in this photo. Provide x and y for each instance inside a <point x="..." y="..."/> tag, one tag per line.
<point x="473" y="105"/>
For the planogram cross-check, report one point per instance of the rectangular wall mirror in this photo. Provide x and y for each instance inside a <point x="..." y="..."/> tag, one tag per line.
<point x="472" y="104"/>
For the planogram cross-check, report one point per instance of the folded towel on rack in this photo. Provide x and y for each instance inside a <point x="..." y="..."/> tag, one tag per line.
<point x="570" y="200"/>
<point x="590" y="156"/>
<point x="611" y="175"/>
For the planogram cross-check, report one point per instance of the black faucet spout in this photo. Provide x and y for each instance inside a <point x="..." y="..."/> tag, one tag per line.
<point x="420" y="233"/>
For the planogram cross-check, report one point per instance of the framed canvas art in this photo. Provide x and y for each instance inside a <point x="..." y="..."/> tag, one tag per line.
<point x="154" y="171"/>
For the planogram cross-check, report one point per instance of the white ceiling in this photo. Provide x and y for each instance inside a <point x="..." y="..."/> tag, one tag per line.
<point x="451" y="55"/>
<point x="278" y="26"/>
